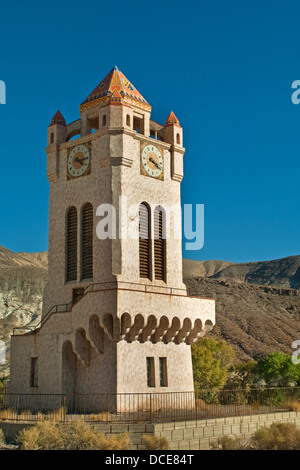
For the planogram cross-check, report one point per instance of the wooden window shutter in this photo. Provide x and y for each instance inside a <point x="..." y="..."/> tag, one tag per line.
<point x="144" y="241"/>
<point x="71" y="242"/>
<point x="87" y="242"/>
<point x="159" y="246"/>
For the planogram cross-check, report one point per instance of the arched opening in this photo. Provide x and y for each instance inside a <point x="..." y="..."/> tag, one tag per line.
<point x="144" y="241"/>
<point x="87" y="242"/>
<point x="138" y="124"/>
<point x="128" y="120"/>
<point x="71" y="245"/>
<point x="104" y="120"/>
<point x="51" y="137"/>
<point x="159" y="244"/>
<point x="208" y="326"/>
<point x="178" y="139"/>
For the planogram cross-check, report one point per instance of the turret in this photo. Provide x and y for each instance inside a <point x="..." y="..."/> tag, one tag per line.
<point x="57" y="130"/>
<point x="172" y="134"/>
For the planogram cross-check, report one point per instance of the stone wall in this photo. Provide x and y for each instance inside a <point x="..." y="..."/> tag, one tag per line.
<point x="185" y="435"/>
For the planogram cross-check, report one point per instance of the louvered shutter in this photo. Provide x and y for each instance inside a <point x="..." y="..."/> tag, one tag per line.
<point x="87" y="242"/>
<point x="144" y="241"/>
<point x="159" y="246"/>
<point x="71" y="242"/>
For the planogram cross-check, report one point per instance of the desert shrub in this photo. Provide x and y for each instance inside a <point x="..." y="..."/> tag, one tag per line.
<point x="241" y="375"/>
<point x="278" y="370"/>
<point x="228" y="443"/>
<point x="116" y="442"/>
<point x="233" y="443"/>
<point x="79" y="436"/>
<point x="47" y="435"/>
<point x="43" y="436"/>
<point x="211" y="361"/>
<point x="279" y="436"/>
<point x="155" y="442"/>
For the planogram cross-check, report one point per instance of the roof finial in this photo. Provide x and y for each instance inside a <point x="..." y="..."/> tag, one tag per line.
<point x="172" y="120"/>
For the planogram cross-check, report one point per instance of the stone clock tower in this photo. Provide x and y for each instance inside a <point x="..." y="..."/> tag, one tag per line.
<point x="116" y="315"/>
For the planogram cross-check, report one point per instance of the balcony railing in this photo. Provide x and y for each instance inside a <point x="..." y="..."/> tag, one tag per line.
<point x="102" y="287"/>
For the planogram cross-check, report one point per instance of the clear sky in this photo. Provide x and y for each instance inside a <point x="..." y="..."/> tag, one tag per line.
<point x="224" y="67"/>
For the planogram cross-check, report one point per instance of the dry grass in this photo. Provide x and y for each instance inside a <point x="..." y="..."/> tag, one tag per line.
<point x="103" y="416"/>
<point x="292" y="405"/>
<point x="56" y="415"/>
<point x="26" y="415"/>
<point x="47" y="435"/>
<point x="7" y="413"/>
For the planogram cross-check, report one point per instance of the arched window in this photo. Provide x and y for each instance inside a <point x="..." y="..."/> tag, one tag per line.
<point x="144" y="241"/>
<point x="178" y="139"/>
<point x="128" y="120"/>
<point x="159" y="244"/>
<point x="104" y="120"/>
<point x="51" y="137"/>
<point x="71" y="245"/>
<point x="87" y="242"/>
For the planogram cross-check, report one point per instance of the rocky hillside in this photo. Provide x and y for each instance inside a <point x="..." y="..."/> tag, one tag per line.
<point x="22" y="280"/>
<point x="255" y="320"/>
<point x="257" y="304"/>
<point x="284" y="272"/>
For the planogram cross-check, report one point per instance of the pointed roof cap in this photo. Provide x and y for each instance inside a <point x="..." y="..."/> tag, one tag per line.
<point x="116" y="97"/>
<point x="172" y="119"/>
<point x="58" y="119"/>
<point x="115" y="83"/>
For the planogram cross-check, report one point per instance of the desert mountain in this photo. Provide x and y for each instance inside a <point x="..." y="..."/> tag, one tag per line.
<point x="22" y="280"/>
<point x="284" y="272"/>
<point x="257" y="304"/>
<point x="255" y="320"/>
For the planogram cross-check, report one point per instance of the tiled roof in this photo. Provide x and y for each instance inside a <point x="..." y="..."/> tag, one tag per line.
<point x="172" y="119"/>
<point x="58" y="119"/>
<point x="115" y="84"/>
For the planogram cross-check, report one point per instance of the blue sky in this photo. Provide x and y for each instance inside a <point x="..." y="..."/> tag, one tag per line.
<point x="224" y="67"/>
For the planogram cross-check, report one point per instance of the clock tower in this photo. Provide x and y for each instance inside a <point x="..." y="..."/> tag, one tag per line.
<point x="116" y="316"/>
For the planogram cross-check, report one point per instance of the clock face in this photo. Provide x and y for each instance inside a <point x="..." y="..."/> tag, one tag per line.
<point x="152" y="161"/>
<point x="78" y="160"/>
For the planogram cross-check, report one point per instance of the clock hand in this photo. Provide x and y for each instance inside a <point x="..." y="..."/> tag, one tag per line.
<point x="80" y="159"/>
<point x="154" y="162"/>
